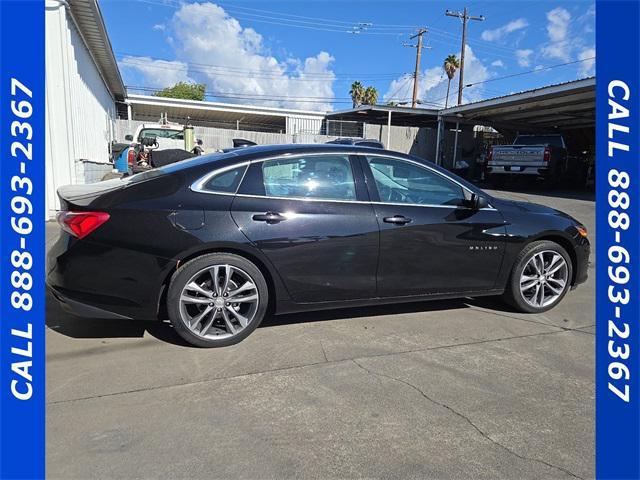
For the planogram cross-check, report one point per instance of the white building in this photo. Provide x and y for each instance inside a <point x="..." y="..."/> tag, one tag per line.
<point x="83" y="84"/>
<point x="87" y="106"/>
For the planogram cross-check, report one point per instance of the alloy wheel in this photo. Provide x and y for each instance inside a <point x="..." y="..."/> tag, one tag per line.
<point x="544" y="279"/>
<point x="219" y="302"/>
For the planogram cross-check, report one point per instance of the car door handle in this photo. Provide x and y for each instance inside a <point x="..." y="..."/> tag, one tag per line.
<point x="269" y="217"/>
<point x="397" y="219"/>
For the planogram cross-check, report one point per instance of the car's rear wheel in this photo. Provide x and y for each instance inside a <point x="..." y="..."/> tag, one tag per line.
<point x="217" y="299"/>
<point x="540" y="278"/>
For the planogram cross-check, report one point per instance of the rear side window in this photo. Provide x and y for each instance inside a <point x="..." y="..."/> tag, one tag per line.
<point x="321" y="177"/>
<point x="225" y="182"/>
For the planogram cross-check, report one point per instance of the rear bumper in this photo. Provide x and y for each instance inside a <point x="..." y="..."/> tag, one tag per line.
<point x="534" y="170"/>
<point x="82" y="309"/>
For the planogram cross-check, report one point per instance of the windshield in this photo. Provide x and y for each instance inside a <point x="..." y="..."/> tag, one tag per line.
<point x="162" y="133"/>
<point x="549" y="140"/>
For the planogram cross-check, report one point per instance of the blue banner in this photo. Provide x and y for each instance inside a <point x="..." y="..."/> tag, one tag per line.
<point x="618" y="239"/>
<point x="22" y="214"/>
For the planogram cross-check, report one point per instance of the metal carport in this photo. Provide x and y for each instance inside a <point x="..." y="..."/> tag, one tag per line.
<point x="566" y="108"/>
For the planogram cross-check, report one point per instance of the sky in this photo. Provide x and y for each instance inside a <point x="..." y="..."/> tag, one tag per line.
<point x="306" y="54"/>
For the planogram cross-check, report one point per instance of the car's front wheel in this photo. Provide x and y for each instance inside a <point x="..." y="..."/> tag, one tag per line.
<point x="540" y="278"/>
<point x="217" y="299"/>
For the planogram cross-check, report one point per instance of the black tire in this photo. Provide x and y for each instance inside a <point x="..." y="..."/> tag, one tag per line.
<point x="191" y="268"/>
<point x="512" y="294"/>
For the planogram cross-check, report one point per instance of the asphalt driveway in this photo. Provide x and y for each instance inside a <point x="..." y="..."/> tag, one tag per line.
<point x="447" y="389"/>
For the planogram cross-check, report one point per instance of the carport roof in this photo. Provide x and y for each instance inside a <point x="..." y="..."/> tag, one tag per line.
<point x="88" y="18"/>
<point x="564" y="106"/>
<point x="151" y="107"/>
<point x="378" y="114"/>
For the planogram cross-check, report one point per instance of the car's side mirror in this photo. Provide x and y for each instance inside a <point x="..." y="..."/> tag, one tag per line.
<point x="480" y="202"/>
<point x="477" y="202"/>
<point x="128" y="138"/>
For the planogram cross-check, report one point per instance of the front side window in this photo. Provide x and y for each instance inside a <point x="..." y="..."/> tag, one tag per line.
<point x="403" y="182"/>
<point x="226" y="181"/>
<point x="327" y="177"/>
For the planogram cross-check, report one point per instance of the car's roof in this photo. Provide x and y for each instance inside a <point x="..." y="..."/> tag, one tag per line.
<point x="303" y="148"/>
<point x="240" y="154"/>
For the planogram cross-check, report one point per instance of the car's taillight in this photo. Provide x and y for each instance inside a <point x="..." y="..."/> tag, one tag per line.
<point x="81" y="224"/>
<point x="131" y="157"/>
<point x="547" y="155"/>
<point x="490" y="154"/>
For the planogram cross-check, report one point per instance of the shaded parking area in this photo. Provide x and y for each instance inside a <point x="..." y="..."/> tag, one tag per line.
<point x="446" y="389"/>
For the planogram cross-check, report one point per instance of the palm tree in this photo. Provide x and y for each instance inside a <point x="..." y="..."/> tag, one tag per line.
<point x="451" y="64"/>
<point x="357" y="94"/>
<point x="370" y="96"/>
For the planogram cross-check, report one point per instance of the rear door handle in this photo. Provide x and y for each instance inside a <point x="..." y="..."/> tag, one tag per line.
<point x="269" y="217"/>
<point x="397" y="219"/>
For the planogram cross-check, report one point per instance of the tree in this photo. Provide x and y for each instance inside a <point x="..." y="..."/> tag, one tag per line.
<point x="451" y="64"/>
<point x="370" y="96"/>
<point x="357" y="94"/>
<point x="183" y="90"/>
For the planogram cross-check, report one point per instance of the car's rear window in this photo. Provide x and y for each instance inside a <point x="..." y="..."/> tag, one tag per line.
<point x="178" y="166"/>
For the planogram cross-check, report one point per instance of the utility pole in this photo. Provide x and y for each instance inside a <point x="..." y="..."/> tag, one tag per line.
<point x="416" y="73"/>
<point x="465" y="18"/>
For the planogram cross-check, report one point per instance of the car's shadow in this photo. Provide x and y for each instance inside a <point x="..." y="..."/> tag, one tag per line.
<point x="79" y="327"/>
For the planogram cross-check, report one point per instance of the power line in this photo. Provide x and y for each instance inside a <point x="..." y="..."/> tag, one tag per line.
<point x="257" y="96"/>
<point x="402" y="84"/>
<point x="296" y="76"/>
<point x="336" y="28"/>
<point x="535" y="70"/>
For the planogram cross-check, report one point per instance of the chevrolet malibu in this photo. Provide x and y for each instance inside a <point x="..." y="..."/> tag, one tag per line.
<point x="217" y="242"/>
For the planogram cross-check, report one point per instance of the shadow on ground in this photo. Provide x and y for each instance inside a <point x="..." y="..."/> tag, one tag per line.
<point x="79" y="327"/>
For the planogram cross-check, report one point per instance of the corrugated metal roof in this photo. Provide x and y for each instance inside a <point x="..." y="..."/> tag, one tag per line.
<point x="588" y="82"/>
<point x="88" y="19"/>
<point x="194" y="105"/>
<point x="560" y="107"/>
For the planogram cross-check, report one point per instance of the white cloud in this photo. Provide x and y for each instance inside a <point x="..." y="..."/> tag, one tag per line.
<point x="204" y="33"/>
<point x="213" y="48"/>
<point x="498" y="33"/>
<point x="558" y="46"/>
<point x="433" y="84"/>
<point x="524" y="57"/>
<point x="159" y="27"/>
<point x="145" y="71"/>
<point x="497" y="63"/>
<point x="587" y="68"/>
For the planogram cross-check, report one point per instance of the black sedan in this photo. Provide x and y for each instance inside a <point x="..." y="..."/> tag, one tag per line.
<point x="215" y="242"/>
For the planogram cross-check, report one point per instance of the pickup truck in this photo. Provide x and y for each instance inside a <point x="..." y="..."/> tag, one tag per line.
<point x="530" y="155"/>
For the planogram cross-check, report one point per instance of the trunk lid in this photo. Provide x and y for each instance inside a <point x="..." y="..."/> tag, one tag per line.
<point x="82" y="195"/>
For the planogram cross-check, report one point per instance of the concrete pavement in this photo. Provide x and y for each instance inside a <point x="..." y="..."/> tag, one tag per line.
<point x="447" y="389"/>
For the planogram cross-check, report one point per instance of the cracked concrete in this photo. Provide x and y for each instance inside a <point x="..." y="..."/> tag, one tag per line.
<point x="455" y="389"/>
<point x="468" y="420"/>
